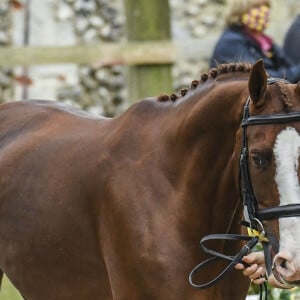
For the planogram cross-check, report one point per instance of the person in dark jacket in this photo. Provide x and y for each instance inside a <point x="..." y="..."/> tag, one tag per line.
<point x="243" y="40"/>
<point x="291" y="46"/>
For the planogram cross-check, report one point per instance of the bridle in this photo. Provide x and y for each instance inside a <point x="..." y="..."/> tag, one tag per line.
<point x="253" y="217"/>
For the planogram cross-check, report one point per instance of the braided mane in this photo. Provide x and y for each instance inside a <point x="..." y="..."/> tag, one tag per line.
<point x="211" y="74"/>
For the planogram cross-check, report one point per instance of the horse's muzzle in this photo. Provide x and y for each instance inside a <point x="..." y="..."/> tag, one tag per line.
<point x="286" y="270"/>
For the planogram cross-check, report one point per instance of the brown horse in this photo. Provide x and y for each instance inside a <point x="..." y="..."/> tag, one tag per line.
<point x="96" y="209"/>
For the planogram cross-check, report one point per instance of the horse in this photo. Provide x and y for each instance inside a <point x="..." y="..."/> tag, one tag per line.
<point x="113" y="208"/>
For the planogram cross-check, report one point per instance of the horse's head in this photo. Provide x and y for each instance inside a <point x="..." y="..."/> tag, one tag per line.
<point x="270" y="168"/>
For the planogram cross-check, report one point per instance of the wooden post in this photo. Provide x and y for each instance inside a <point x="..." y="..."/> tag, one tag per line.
<point x="148" y="20"/>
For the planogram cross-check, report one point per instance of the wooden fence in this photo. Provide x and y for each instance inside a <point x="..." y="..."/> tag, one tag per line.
<point x="134" y="53"/>
<point x="148" y="53"/>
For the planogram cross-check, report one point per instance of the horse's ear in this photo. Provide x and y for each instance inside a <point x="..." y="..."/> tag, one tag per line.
<point x="257" y="83"/>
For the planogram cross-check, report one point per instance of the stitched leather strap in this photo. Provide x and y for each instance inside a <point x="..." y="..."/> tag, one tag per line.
<point x="283" y="211"/>
<point x="272" y="119"/>
<point x="216" y="256"/>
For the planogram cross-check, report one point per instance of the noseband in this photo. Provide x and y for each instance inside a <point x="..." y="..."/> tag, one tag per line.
<point x="253" y="216"/>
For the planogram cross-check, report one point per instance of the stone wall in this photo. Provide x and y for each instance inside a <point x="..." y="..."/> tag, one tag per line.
<point x="203" y="20"/>
<point x="101" y="89"/>
<point x="6" y="73"/>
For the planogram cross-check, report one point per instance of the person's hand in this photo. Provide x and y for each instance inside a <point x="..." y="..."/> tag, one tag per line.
<point x="256" y="270"/>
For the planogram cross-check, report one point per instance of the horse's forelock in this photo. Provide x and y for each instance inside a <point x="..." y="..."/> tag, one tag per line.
<point x="285" y="98"/>
<point x="211" y="74"/>
<point x="283" y="93"/>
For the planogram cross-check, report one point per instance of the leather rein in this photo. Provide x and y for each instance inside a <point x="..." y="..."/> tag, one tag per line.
<point x="253" y="217"/>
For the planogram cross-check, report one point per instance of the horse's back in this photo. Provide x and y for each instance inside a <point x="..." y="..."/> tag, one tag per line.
<point x="46" y="219"/>
<point x="45" y="128"/>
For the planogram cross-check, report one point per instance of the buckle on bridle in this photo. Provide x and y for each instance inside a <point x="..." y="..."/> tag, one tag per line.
<point x="259" y="232"/>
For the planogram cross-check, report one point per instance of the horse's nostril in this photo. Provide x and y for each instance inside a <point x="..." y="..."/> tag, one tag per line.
<point x="283" y="264"/>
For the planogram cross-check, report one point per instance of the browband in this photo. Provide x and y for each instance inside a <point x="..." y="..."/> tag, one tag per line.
<point x="272" y="119"/>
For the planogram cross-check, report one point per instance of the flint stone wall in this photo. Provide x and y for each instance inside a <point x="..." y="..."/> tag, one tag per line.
<point x="102" y="89"/>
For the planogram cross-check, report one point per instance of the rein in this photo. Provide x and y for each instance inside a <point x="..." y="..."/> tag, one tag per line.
<point x="253" y="216"/>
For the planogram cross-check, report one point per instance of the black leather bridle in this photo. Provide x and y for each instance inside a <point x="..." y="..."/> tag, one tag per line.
<point x="253" y="217"/>
<point x="251" y="211"/>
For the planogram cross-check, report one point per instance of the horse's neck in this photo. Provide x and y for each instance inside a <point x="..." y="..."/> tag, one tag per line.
<point x="206" y="137"/>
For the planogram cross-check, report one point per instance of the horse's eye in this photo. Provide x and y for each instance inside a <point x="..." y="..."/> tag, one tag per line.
<point x="259" y="160"/>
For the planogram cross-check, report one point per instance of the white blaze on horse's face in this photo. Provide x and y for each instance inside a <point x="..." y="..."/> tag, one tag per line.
<point x="286" y="152"/>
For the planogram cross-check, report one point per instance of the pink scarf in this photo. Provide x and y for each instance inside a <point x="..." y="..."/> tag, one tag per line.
<point x="264" y="41"/>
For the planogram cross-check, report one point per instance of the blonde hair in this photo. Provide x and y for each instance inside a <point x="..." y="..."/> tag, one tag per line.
<point x="236" y="8"/>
